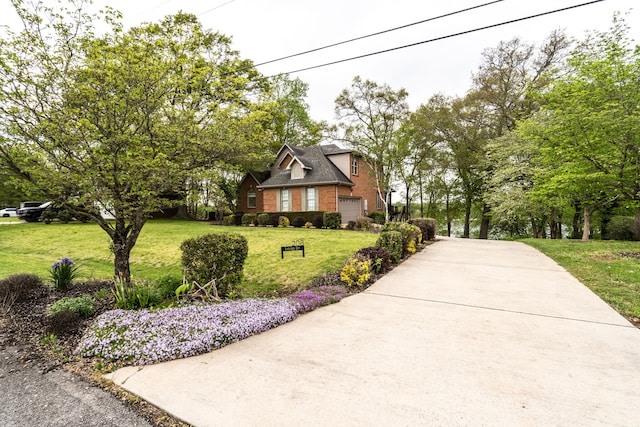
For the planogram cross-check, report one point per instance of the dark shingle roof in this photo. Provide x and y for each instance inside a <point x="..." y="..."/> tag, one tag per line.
<point x="318" y="168"/>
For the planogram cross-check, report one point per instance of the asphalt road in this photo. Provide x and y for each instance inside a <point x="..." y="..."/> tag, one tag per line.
<point x="30" y="398"/>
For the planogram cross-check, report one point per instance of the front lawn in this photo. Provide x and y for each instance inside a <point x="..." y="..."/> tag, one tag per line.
<point x="33" y="247"/>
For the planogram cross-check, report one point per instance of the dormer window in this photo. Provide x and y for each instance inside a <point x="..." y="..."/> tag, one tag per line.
<point x="296" y="171"/>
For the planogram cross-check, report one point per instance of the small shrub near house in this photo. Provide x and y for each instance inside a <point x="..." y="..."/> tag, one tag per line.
<point x="363" y="223"/>
<point x="264" y="219"/>
<point x="249" y="219"/>
<point x="318" y="221"/>
<point x="332" y="220"/>
<point x="411" y="236"/>
<point x="19" y="287"/>
<point x="215" y="259"/>
<point x="377" y="217"/>
<point x="275" y="220"/>
<point x="392" y="242"/>
<point x="283" y="222"/>
<point x="63" y="322"/>
<point x="229" y="220"/>
<point x="298" y="222"/>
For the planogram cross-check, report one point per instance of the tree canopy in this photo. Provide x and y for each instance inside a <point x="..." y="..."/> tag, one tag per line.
<point x="122" y="120"/>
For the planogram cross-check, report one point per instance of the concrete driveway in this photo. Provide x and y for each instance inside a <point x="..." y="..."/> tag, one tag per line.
<point x="466" y="332"/>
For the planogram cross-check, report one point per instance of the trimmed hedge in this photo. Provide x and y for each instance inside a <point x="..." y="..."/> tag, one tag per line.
<point x="377" y="217"/>
<point x="217" y="256"/>
<point x="249" y="218"/>
<point x="308" y="216"/>
<point x="332" y="220"/>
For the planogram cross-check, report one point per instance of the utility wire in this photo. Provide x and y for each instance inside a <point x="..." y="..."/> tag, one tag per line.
<point x="378" y="33"/>
<point x="441" y="38"/>
<point x="153" y="8"/>
<point x="217" y="7"/>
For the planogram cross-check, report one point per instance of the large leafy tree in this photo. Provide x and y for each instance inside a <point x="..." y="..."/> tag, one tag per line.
<point x="591" y="120"/>
<point x="370" y="116"/>
<point x="503" y="88"/>
<point x="291" y="121"/>
<point x="122" y="120"/>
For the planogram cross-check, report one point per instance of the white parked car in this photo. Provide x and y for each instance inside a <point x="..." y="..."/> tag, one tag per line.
<point x="7" y="212"/>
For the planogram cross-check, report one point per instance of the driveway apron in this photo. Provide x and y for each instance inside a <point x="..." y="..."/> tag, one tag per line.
<point x="466" y="332"/>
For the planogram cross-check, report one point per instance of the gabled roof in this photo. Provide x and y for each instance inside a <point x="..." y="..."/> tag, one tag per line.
<point x="319" y="169"/>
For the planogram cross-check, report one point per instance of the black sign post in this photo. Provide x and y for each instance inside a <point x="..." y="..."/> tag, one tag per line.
<point x="298" y="245"/>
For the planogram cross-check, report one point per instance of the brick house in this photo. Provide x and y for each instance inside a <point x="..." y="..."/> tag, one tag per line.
<point x="319" y="178"/>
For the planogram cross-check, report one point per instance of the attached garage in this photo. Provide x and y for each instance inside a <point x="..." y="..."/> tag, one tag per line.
<point x="350" y="207"/>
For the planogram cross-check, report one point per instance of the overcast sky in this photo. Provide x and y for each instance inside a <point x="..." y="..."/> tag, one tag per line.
<point x="263" y="30"/>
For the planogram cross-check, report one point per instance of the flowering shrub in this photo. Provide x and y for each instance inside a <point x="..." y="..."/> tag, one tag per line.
<point x="356" y="271"/>
<point x="144" y="337"/>
<point x="380" y="258"/>
<point x="63" y="272"/>
<point x="313" y="298"/>
<point x="283" y="222"/>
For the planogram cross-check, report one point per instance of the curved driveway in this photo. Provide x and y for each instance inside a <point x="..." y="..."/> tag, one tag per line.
<point x="467" y="332"/>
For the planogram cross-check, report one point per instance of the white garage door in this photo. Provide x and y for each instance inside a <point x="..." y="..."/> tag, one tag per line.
<point x="350" y="207"/>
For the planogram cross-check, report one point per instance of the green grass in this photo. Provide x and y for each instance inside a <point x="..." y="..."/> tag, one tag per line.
<point x="33" y="247"/>
<point x="611" y="269"/>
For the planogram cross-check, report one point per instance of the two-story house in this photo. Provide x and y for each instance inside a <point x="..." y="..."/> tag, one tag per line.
<point x="319" y="178"/>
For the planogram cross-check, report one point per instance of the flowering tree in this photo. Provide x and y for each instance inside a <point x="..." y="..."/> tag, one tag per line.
<point x="120" y="121"/>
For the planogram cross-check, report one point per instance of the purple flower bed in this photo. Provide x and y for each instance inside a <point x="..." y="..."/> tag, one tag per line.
<point x="145" y="337"/>
<point x="313" y="298"/>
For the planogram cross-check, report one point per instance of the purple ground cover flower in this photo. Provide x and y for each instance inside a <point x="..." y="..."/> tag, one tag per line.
<point x="144" y="337"/>
<point x="313" y="298"/>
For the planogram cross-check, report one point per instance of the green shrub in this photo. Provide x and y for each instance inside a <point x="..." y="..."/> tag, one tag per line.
<point x="82" y="306"/>
<point x="249" y="219"/>
<point x="215" y="257"/>
<point x="408" y="231"/>
<point x="19" y="287"/>
<point x="229" y="220"/>
<point x="167" y="286"/>
<point x="427" y="227"/>
<point x="363" y="223"/>
<point x="356" y="271"/>
<point x="380" y="258"/>
<point x="264" y="219"/>
<point x="318" y="221"/>
<point x="62" y="322"/>
<point x="332" y="220"/>
<point x="283" y="221"/>
<point x="620" y="228"/>
<point x="392" y="242"/>
<point x="275" y="219"/>
<point x="351" y="225"/>
<point x="298" y="222"/>
<point x="377" y="217"/>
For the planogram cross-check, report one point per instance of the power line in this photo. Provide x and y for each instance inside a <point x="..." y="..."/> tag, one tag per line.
<point x="153" y="8"/>
<point x="440" y="38"/>
<point x="216" y="7"/>
<point x="378" y="33"/>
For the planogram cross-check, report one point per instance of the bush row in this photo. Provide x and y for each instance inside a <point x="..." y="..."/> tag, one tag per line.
<point x="317" y="219"/>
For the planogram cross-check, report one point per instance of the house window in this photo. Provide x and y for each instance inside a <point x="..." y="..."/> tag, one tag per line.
<point x="251" y="198"/>
<point x="354" y="165"/>
<point x="379" y="203"/>
<point x="285" y="200"/>
<point x="312" y="199"/>
<point x="296" y="171"/>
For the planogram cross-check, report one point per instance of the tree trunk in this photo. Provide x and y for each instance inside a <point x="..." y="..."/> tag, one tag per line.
<point x="448" y="214"/>
<point x="575" y="232"/>
<point x="484" y="224"/>
<point x="636" y="225"/>
<point x="467" y="217"/>
<point x="586" y="228"/>
<point x="124" y="238"/>
<point x="553" y="223"/>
